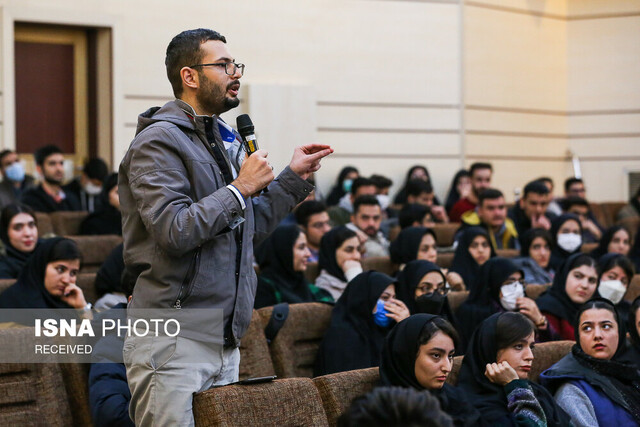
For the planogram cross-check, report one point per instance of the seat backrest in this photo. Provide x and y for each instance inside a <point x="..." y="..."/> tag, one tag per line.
<point x="445" y="233"/>
<point x="445" y="259"/>
<point x="293" y="350"/>
<point x="508" y="253"/>
<point x="312" y="272"/>
<point x="76" y="384"/>
<point x="610" y="210"/>
<point x="382" y="264"/>
<point x="455" y="370"/>
<point x="285" y="402"/>
<point x="599" y="214"/>
<point x="86" y="282"/>
<point x="546" y="354"/>
<point x="45" y="226"/>
<point x="95" y="249"/>
<point x="631" y="224"/>
<point x="67" y="223"/>
<point x="534" y="290"/>
<point x="456" y="298"/>
<point x="255" y="360"/>
<point x="337" y="391"/>
<point x="633" y="291"/>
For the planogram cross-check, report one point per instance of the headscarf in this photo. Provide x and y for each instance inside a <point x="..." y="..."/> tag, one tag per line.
<point x="463" y="263"/>
<point x="29" y="290"/>
<point x="559" y="255"/>
<point x="454" y="195"/>
<point x="484" y="295"/>
<point x="487" y="397"/>
<point x="329" y="243"/>
<point x="555" y="300"/>
<point x="337" y="191"/>
<point x="397" y="368"/>
<point x="353" y="340"/>
<point x="405" y="247"/>
<point x="607" y="236"/>
<point x="401" y="197"/>
<point x="633" y="349"/>
<point x="277" y="266"/>
<point x="623" y="307"/>
<point x="12" y="251"/>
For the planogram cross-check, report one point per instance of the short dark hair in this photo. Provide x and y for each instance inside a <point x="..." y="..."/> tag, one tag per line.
<point x="96" y="168"/>
<point x="536" y="187"/>
<point x="304" y="211"/>
<point x="570" y="181"/>
<point x="395" y="407"/>
<point x="184" y="50"/>
<point x="4" y="153"/>
<point x="574" y="201"/>
<point x="511" y="328"/>
<point x="366" y="200"/>
<point x="381" y="181"/>
<point x="438" y="324"/>
<point x="489" y="194"/>
<point x="416" y="187"/>
<point x="42" y="153"/>
<point x="412" y="212"/>
<point x="360" y="182"/>
<point x="479" y="165"/>
<point x="544" y="179"/>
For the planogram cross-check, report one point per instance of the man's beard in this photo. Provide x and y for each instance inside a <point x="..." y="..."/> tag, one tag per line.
<point x="52" y="181"/>
<point x="212" y="98"/>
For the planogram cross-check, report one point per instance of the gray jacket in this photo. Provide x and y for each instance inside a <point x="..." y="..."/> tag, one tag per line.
<point x="182" y="227"/>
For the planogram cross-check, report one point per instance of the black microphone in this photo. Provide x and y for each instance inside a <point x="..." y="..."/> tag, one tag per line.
<point x="246" y="130"/>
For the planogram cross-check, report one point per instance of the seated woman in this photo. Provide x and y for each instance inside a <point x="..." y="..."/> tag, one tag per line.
<point x="460" y="188"/>
<point x="535" y="252"/>
<point x="615" y="239"/>
<point x="108" y="219"/>
<point x="572" y="286"/>
<point x="338" y="260"/>
<point x="360" y="320"/>
<point x="48" y="280"/>
<point x="616" y="272"/>
<point x="19" y="234"/>
<point x="499" y="288"/>
<point x="418" y="354"/>
<point x="566" y="231"/>
<point x="474" y="249"/>
<point x="589" y="383"/>
<point x="282" y="266"/>
<point x="495" y="371"/>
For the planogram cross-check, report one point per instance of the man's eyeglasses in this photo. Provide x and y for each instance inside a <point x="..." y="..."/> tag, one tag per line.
<point x="229" y="67"/>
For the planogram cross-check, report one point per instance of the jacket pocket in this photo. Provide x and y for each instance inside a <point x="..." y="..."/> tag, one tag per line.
<point x="187" y="283"/>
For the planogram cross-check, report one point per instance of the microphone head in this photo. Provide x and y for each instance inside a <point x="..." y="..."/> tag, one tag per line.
<point x="245" y="125"/>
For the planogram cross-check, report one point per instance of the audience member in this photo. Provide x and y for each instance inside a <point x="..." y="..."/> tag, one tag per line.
<point x="578" y="206"/>
<point x="360" y="320"/>
<point x="283" y="260"/>
<point x="589" y="383"/>
<point x="418" y="354"/>
<point x="421" y="192"/>
<point x="313" y="218"/>
<point x="495" y="375"/>
<point x="107" y="218"/>
<point x="88" y="187"/>
<point x="341" y="214"/>
<point x="573" y="285"/>
<point x="342" y="185"/>
<point x="473" y="250"/>
<point x="366" y="220"/>
<point x="415" y="215"/>
<point x="615" y="239"/>
<point x="616" y="273"/>
<point x="631" y="210"/>
<point x="567" y="234"/>
<point x="339" y="260"/>
<point x="414" y="243"/>
<point x="48" y="196"/>
<point x="415" y="172"/>
<point x="460" y="188"/>
<point x="634" y="253"/>
<point x="19" y="234"/>
<point x="553" y="207"/>
<point x="108" y="283"/>
<point x="531" y="210"/>
<point x="491" y="214"/>
<point x="383" y="184"/>
<point x="535" y="256"/>
<point x="480" y="180"/>
<point x="14" y="179"/>
<point x="632" y="352"/>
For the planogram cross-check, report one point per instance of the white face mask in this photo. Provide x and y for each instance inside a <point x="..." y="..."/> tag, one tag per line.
<point x="613" y="290"/>
<point x="510" y="293"/>
<point x="384" y="200"/>
<point x="92" y="189"/>
<point x="569" y="241"/>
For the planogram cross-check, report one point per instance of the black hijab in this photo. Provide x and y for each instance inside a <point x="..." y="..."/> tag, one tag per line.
<point x="607" y="236"/>
<point x="353" y="340"/>
<point x="29" y="290"/>
<point x="559" y="255"/>
<point x="633" y="349"/>
<point x="108" y="219"/>
<point x="329" y="243"/>
<point x="555" y="300"/>
<point x="337" y="191"/>
<point x="487" y="397"/>
<point x="634" y="253"/>
<point x="463" y="263"/>
<point x="277" y="267"/>
<point x="405" y="248"/>
<point x="454" y="195"/>
<point x="17" y="258"/>
<point x="401" y="197"/>
<point x="611" y="260"/>
<point x="397" y="368"/>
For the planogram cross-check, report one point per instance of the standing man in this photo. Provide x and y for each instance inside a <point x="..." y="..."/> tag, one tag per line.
<point x="190" y="225"/>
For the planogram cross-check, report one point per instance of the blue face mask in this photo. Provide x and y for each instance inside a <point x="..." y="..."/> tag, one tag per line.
<point x="15" y="172"/>
<point x="346" y="185"/>
<point x="379" y="317"/>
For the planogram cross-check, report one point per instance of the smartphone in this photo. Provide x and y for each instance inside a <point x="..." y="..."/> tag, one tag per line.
<point x="258" y="380"/>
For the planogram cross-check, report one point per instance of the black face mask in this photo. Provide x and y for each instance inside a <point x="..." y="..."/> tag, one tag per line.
<point x="430" y="304"/>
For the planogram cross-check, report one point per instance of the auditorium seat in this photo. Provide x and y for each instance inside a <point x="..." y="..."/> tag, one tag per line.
<point x="508" y="253"/>
<point x="45" y="227"/>
<point x="599" y="214"/>
<point x="312" y="272"/>
<point x="610" y="211"/>
<point x="293" y="350"/>
<point x="337" y="391"/>
<point x="546" y="354"/>
<point x="456" y="298"/>
<point x="86" y="282"/>
<point x="633" y="291"/>
<point x="255" y="360"/>
<point x="445" y="233"/>
<point x="283" y="402"/>
<point x="631" y="224"/>
<point x="382" y="264"/>
<point x="76" y="384"/>
<point x="94" y="250"/>
<point x="588" y="247"/>
<point x="455" y="370"/>
<point x="534" y="290"/>
<point x="67" y="223"/>
<point x="445" y="259"/>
